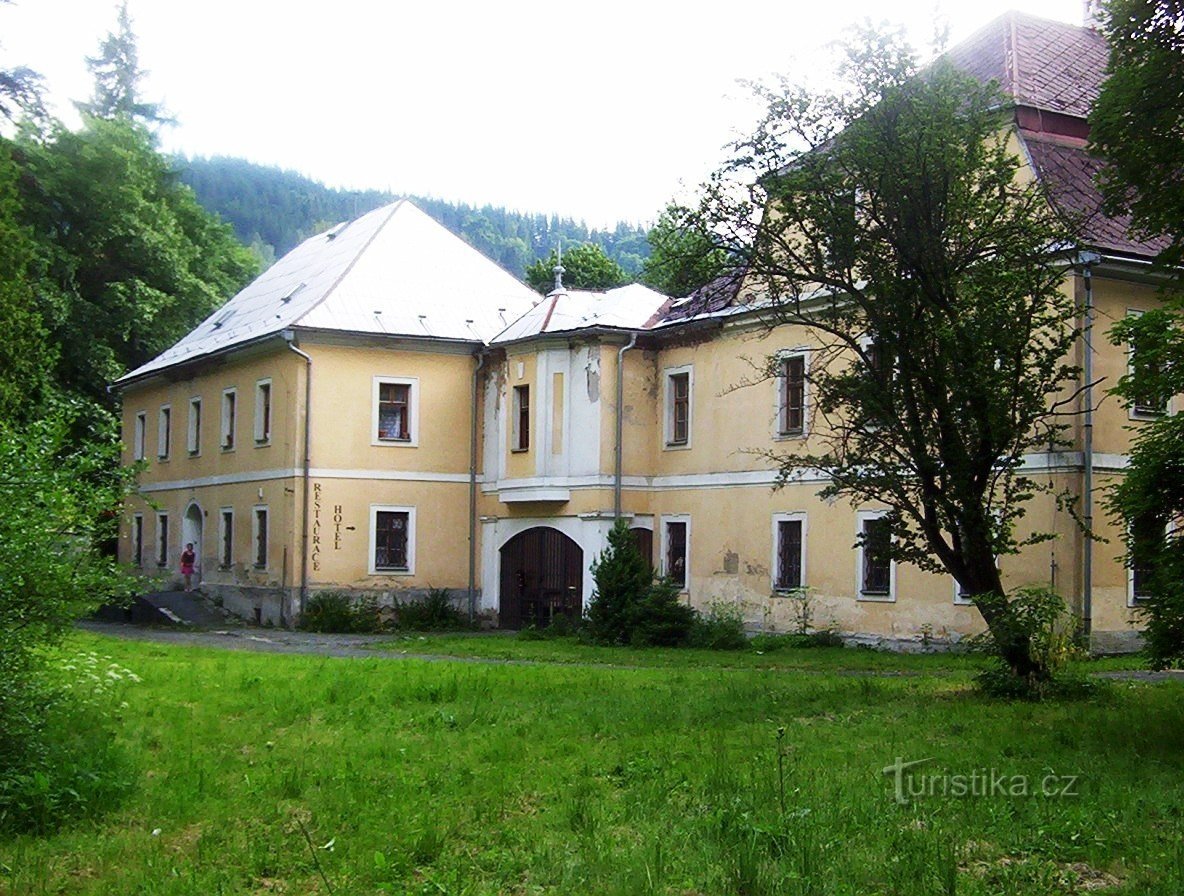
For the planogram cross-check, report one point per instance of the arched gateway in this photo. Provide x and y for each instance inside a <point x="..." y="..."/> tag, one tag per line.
<point x="541" y="578"/>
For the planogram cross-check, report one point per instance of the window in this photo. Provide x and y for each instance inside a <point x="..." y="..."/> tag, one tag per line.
<point x="875" y="565"/>
<point x="162" y="539"/>
<point x="138" y="539"/>
<point x="396" y="415"/>
<point x="392" y="540"/>
<point x="140" y="428"/>
<point x="789" y="549"/>
<point x="229" y="418"/>
<point x="1145" y="402"/>
<point x="226" y="538"/>
<point x="259" y="532"/>
<point x="164" y="432"/>
<point x="262" y="412"/>
<point x="792" y="403"/>
<point x="678" y="407"/>
<point x="675" y="543"/>
<point x="1147" y="537"/>
<point x="194" y="440"/>
<point x="521" y="418"/>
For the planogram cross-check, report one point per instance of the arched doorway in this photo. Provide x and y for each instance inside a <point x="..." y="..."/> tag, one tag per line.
<point x="542" y="574"/>
<point x="191" y="529"/>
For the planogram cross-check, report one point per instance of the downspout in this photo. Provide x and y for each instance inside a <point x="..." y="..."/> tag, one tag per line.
<point x="620" y="423"/>
<point x="473" y="447"/>
<point x="289" y="336"/>
<point x="1087" y="260"/>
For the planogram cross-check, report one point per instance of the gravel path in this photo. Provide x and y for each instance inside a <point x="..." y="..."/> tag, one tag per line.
<point x="265" y="640"/>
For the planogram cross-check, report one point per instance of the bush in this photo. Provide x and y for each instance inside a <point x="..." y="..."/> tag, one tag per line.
<point x="770" y="643"/>
<point x="335" y="612"/>
<point x="628" y="605"/>
<point x="59" y="759"/>
<point x="720" y="628"/>
<point x="432" y="614"/>
<point x="1041" y="616"/>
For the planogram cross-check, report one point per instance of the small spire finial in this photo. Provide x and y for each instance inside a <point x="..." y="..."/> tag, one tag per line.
<point x="559" y="269"/>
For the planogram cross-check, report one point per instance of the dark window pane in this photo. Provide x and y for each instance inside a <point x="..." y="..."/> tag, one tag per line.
<point x="390" y="539"/>
<point x="676" y="553"/>
<point x="394" y="412"/>
<point x="793" y="396"/>
<point x="877" y="567"/>
<point x="789" y="554"/>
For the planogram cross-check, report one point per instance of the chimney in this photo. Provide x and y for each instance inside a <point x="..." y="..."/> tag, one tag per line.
<point x="1094" y="14"/>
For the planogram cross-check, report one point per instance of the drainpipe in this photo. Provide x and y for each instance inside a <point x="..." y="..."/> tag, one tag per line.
<point x="620" y="423"/>
<point x="290" y="337"/>
<point x="1087" y="260"/>
<point x="473" y="447"/>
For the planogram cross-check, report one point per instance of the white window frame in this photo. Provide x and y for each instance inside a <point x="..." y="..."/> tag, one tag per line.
<point x="228" y="431"/>
<point x="1131" y="599"/>
<point x="375" y="509"/>
<point x="164" y="432"/>
<point x="162" y="540"/>
<point x="255" y="564"/>
<point x="795" y="516"/>
<point x="779" y="394"/>
<point x="225" y="560"/>
<point x="263" y="422"/>
<point x="860" y="518"/>
<point x="412" y="412"/>
<point x="140" y="435"/>
<point x="663" y="544"/>
<point x="193" y="432"/>
<point x="960" y="600"/>
<point x="668" y="375"/>
<point x="516" y="393"/>
<point x="1132" y="412"/>
<point x="137" y="540"/>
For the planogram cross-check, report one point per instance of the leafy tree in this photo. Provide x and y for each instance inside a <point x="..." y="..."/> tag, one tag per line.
<point x="117" y="75"/>
<point x="1135" y="127"/>
<point x="58" y="495"/>
<point x="20" y="90"/>
<point x="890" y="218"/>
<point x="585" y="266"/>
<point x="629" y="606"/>
<point x="132" y="261"/>
<point x="26" y="352"/>
<point x="1138" y="117"/>
<point x="681" y="259"/>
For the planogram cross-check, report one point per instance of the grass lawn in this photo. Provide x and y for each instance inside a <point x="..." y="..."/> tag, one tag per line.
<point x="668" y="778"/>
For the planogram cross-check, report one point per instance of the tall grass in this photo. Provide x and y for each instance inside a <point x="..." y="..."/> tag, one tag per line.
<point x="267" y="773"/>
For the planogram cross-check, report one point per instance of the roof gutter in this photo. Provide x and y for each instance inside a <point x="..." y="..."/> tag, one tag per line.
<point x="620" y="423"/>
<point x="290" y="338"/>
<point x="1087" y="260"/>
<point x="473" y="447"/>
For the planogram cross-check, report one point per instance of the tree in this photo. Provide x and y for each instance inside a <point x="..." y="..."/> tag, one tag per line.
<point x="132" y="261"/>
<point x="20" y="91"/>
<point x="629" y="606"/>
<point x="117" y="75"/>
<point x="1139" y="116"/>
<point x="889" y="218"/>
<point x="682" y="260"/>
<point x="1135" y="128"/>
<point x="585" y="266"/>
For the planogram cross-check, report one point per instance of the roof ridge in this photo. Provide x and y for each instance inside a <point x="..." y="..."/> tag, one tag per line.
<point x="353" y="261"/>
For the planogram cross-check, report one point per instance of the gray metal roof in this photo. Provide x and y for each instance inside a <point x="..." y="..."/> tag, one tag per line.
<point x="394" y="271"/>
<point x="632" y="307"/>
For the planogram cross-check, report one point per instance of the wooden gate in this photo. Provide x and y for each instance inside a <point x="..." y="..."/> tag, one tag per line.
<point x="542" y="577"/>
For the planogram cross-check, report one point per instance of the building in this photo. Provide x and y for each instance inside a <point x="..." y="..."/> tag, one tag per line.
<point x="387" y="411"/>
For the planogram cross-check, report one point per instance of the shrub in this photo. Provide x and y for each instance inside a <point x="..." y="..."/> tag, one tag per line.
<point x="769" y="643"/>
<point x="628" y="605"/>
<point x="434" y="613"/>
<point x="720" y="628"/>
<point x="335" y="612"/>
<point x="1041" y="616"/>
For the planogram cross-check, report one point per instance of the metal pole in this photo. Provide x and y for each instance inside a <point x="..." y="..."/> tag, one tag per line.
<point x="620" y="424"/>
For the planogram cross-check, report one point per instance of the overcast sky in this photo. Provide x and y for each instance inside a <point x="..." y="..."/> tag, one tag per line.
<point x="600" y="111"/>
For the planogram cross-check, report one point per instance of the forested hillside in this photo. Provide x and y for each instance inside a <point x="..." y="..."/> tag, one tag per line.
<point x="272" y="210"/>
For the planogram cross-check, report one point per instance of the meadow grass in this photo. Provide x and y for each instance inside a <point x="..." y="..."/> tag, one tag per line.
<point x="297" y="774"/>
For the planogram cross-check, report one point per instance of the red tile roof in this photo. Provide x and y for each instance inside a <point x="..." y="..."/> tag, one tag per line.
<point x="1041" y="63"/>
<point x="1070" y="174"/>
